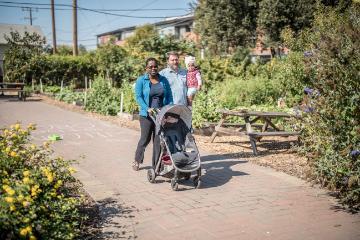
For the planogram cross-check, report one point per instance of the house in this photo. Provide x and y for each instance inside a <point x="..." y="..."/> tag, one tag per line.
<point x="6" y="29"/>
<point x="180" y="27"/>
<point x="264" y="54"/>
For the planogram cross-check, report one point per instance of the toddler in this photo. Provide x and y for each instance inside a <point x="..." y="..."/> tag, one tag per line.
<point x="193" y="79"/>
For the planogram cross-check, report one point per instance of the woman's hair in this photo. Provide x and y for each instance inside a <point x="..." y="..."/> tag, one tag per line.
<point x="150" y="60"/>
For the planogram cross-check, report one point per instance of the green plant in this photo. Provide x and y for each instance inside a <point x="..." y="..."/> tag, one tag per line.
<point x="103" y="98"/>
<point x="38" y="195"/>
<point x="331" y="132"/>
<point x="129" y="104"/>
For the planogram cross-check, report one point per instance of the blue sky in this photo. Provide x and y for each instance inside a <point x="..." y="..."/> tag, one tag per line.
<point x="90" y="23"/>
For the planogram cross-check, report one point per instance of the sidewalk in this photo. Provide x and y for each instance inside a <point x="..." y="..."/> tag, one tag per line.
<point x="238" y="200"/>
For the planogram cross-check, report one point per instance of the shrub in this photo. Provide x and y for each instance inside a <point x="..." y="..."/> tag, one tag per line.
<point x="204" y="108"/>
<point x="332" y="133"/>
<point x="130" y="105"/>
<point x="38" y="195"/>
<point x="103" y="98"/>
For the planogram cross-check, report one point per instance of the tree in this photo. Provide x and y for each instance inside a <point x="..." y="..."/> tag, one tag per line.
<point x="275" y="15"/>
<point x="226" y="24"/>
<point x="18" y="55"/>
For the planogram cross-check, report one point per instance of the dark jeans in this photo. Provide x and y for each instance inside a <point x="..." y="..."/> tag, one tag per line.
<point x="147" y="128"/>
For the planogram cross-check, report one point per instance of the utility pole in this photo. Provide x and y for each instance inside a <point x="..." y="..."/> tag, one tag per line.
<point x="75" y="40"/>
<point x="29" y="9"/>
<point x="53" y="26"/>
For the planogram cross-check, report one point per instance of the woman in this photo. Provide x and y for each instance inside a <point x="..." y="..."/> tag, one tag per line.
<point x="151" y="91"/>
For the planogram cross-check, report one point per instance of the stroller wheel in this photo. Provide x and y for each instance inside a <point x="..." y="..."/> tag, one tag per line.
<point x="197" y="182"/>
<point x="174" y="185"/>
<point x="151" y="175"/>
<point x="187" y="176"/>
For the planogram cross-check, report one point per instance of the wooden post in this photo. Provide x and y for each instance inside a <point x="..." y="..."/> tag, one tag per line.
<point x="85" y="91"/>
<point x="62" y="85"/>
<point x="89" y="83"/>
<point x="32" y="83"/>
<point x="41" y="86"/>
<point x="121" y="102"/>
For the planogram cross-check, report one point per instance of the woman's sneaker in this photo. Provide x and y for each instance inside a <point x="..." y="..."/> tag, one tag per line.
<point x="135" y="166"/>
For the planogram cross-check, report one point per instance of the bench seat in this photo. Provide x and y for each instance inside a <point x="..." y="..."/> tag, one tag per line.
<point x="266" y="134"/>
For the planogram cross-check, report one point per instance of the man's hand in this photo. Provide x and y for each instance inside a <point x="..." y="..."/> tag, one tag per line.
<point x="150" y="110"/>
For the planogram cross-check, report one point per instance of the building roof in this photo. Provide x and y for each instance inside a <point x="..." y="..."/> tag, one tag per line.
<point x="5" y="29"/>
<point x="176" y="21"/>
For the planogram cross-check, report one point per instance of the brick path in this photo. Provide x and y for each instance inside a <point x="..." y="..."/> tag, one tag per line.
<point x="238" y="200"/>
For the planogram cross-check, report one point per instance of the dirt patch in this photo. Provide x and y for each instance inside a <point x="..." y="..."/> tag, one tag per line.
<point x="275" y="152"/>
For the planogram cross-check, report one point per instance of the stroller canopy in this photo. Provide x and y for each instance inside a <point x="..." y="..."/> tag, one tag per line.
<point x="182" y="111"/>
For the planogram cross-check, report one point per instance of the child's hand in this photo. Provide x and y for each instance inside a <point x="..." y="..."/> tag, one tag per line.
<point x="199" y="87"/>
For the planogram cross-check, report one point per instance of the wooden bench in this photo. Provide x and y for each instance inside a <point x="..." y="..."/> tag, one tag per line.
<point x="255" y="136"/>
<point x="268" y="128"/>
<point x="13" y="87"/>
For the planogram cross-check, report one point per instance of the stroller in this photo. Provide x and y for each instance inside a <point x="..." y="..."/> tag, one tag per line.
<point x="179" y="155"/>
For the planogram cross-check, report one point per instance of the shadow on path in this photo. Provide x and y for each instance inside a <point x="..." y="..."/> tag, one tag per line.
<point x="218" y="169"/>
<point x="109" y="210"/>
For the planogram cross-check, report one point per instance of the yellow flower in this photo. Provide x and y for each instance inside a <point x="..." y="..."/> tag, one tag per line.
<point x="31" y="126"/>
<point x="29" y="229"/>
<point x="20" y="197"/>
<point x="13" y="135"/>
<point x="13" y="154"/>
<point x="26" y="180"/>
<point x="9" y="190"/>
<point x="17" y="126"/>
<point x="12" y="207"/>
<point x="23" y="232"/>
<point x="32" y="238"/>
<point x="25" y="203"/>
<point x="7" y="149"/>
<point x="33" y="146"/>
<point x="9" y="199"/>
<point x="58" y="184"/>
<point x="50" y="177"/>
<point x="34" y="190"/>
<point x="6" y="132"/>
<point x="72" y="170"/>
<point x="26" y="173"/>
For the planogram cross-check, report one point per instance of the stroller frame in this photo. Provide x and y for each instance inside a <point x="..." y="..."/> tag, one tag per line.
<point x="177" y="173"/>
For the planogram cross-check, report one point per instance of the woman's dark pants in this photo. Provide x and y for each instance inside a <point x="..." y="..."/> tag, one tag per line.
<point x="147" y="128"/>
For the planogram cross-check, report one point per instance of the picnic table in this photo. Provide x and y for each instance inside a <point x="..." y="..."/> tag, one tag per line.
<point x="13" y="87"/>
<point x="267" y="126"/>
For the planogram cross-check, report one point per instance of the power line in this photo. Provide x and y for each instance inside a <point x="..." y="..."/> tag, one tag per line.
<point x="102" y="10"/>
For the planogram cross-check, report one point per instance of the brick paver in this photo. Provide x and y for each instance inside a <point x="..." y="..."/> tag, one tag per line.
<point x="239" y="200"/>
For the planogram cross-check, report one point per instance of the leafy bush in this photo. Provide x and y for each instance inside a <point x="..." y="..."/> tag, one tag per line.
<point x="204" y="108"/>
<point x="69" y="96"/>
<point x="38" y="195"/>
<point x="332" y="133"/>
<point x="103" y="98"/>
<point x="130" y="105"/>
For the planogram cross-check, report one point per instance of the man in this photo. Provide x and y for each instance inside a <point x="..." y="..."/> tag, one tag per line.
<point x="177" y="79"/>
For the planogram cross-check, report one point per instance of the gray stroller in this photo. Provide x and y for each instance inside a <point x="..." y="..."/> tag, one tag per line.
<point x="179" y="156"/>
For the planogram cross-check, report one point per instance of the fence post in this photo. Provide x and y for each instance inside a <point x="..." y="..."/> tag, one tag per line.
<point x="32" y="83"/>
<point x="85" y="91"/>
<point x="89" y="83"/>
<point x="121" y="102"/>
<point x="62" y="85"/>
<point x="41" y="86"/>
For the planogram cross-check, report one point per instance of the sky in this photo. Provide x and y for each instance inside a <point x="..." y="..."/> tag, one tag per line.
<point x="90" y="23"/>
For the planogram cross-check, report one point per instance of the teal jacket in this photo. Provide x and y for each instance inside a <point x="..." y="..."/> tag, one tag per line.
<point x="142" y="91"/>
